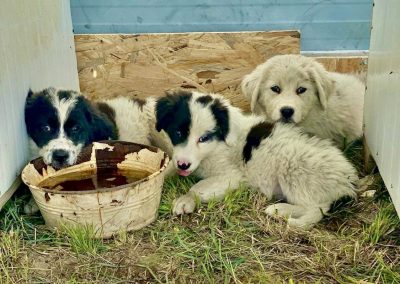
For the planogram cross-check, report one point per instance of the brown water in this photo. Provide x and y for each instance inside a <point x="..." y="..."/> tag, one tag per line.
<point x="105" y="180"/>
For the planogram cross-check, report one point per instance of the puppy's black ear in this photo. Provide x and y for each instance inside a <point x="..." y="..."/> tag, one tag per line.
<point x="30" y="93"/>
<point x="221" y="115"/>
<point x="29" y="98"/>
<point x="101" y="126"/>
<point x="164" y="110"/>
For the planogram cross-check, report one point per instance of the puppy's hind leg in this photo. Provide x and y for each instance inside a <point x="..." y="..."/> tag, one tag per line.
<point x="310" y="217"/>
<point x="31" y="207"/>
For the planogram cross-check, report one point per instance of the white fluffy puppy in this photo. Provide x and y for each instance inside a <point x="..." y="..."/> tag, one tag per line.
<point x="298" y="89"/>
<point x="218" y="143"/>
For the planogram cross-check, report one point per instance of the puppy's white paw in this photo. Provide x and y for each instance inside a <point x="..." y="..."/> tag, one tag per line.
<point x="31" y="207"/>
<point x="184" y="205"/>
<point x="271" y="210"/>
<point x="279" y="209"/>
<point x="298" y="223"/>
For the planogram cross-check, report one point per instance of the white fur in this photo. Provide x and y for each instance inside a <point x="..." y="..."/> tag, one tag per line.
<point x="309" y="172"/>
<point x="61" y="143"/>
<point x="332" y="106"/>
<point x="136" y="124"/>
<point x="130" y="120"/>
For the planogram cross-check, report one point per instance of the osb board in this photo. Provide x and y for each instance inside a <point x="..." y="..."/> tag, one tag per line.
<point x="354" y="64"/>
<point x="149" y="64"/>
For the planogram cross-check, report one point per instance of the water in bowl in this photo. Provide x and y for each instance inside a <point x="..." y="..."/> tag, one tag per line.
<point x="97" y="181"/>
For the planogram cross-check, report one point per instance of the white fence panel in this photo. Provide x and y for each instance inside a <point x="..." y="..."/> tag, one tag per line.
<point x="36" y="50"/>
<point x="382" y="102"/>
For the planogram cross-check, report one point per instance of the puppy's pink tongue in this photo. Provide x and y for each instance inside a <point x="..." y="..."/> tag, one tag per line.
<point x="184" y="173"/>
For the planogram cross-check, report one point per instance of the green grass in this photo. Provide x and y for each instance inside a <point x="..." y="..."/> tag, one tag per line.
<point x="384" y="224"/>
<point x="82" y="239"/>
<point x="228" y="241"/>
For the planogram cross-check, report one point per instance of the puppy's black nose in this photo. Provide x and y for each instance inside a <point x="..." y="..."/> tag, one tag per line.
<point x="60" y="156"/>
<point x="183" y="166"/>
<point x="287" y="112"/>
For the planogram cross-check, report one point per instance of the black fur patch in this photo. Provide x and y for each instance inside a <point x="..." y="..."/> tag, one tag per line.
<point x="64" y="94"/>
<point x="139" y="102"/>
<point x="221" y="115"/>
<point x="205" y="100"/>
<point x="107" y="110"/>
<point x="94" y="123"/>
<point x="257" y="133"/>
<point x="41" y="118"/>
<point x="173" y="115"/>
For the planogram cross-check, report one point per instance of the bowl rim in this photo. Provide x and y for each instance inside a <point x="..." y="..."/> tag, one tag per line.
<point x="102" y="189"/>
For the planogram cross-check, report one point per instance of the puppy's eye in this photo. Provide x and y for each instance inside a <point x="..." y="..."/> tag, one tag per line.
<point x="206" y="137"/>
<point x="300" y="90"/>
<point x="75" y="128"/>
<point x="178" y="133"/>
<point x="46" y="128"/>
<point x="276" y="89"/>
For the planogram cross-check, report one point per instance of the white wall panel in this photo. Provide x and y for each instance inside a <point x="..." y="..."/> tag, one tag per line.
<point x="382" y="103"/>
<point x="36" y="51"/>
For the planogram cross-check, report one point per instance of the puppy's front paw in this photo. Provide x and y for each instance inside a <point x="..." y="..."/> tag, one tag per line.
<point x="271" y="210"/>
<point x="184" y="205"/>
<point x="278" y="210"/>
<point x="31" y="207"/>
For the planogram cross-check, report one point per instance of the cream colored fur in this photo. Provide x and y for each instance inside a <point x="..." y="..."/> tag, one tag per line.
<point x="137" y="123"/>
<point x="332" y="106"/>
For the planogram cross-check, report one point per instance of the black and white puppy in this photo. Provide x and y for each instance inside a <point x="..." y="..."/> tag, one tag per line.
<point x="61" y="122"/>
<point x="217" y="142"/>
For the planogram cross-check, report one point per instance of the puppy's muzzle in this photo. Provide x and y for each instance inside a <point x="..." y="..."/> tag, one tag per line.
<point x="60" y="158"/>
<point x="183" y="165"/>
<point x="287" y="113"/>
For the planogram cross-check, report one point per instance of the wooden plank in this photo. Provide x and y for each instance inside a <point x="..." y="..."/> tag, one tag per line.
<point x="351" y="64"/>
<point x="149" y="64"/>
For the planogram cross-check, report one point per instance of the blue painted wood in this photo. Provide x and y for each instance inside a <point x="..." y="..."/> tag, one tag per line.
<point x="324" y="24"/>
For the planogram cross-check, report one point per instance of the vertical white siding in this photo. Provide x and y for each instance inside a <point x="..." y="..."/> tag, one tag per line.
<point x="36" y="50"/>
<point x="382" y="104"/>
